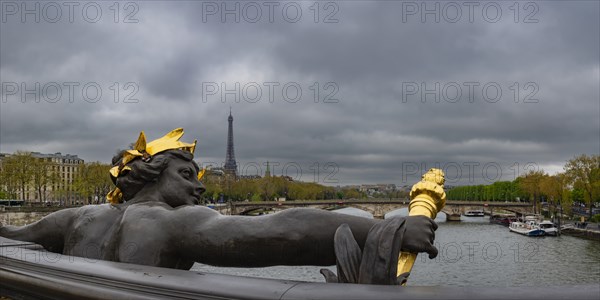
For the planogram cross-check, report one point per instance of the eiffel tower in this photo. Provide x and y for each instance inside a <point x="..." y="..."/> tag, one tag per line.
<point x="230" y="167"/>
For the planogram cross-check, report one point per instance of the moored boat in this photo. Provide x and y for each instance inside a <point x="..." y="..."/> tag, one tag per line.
<point x="504" y="220"/>
<point x="453" y="217"/>
<point x="474" y="213"/>
<point x="549" y="228"/>
<point x="529" y="228"/>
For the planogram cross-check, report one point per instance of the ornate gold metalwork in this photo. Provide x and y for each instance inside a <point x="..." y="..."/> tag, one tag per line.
<point x="427" y="199"/>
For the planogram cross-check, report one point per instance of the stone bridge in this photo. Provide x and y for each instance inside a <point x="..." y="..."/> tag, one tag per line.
<point x="377" y="207"/>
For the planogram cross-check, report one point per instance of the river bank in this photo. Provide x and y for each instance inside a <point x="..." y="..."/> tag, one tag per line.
<point x="591" y="231"/>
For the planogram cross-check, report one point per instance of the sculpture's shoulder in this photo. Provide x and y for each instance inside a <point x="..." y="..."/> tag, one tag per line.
<point x="94" y="215"/>
<point x="159" y="210"/>
<point x="95" y="210"/>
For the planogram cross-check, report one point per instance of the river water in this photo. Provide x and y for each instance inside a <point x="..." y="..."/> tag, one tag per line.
<point x="475" y="253"/>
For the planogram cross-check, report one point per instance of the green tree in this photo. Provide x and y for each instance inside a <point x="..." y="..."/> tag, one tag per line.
<point x="243" y="189"/>
<point x="266" y="188"/>
<point x="18" y="171"/>
<point x="577" y="195"/>
<point x="531" y="185"/>
<point x="255" y="198"/>
<point x="92" y="181"/>
<point x="42" y="176"/>
<point x="583" y="172"/>
<point x="7" y="178"/>
<point x="213" y="183"/>
<point x="557" y="189"/>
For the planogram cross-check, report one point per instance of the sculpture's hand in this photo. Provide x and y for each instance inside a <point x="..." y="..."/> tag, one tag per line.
<point x="419" y="235"/>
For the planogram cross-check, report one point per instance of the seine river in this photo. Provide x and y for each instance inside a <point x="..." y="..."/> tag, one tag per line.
<point x="475" y="253"/>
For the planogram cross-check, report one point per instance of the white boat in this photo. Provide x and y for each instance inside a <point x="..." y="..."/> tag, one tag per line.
<point x="567" y="226"/>
<point x="536" y="218"/>
<point x="549" y="228"/>
<point x="528" y="228"/>
<point x="474" y="213"/>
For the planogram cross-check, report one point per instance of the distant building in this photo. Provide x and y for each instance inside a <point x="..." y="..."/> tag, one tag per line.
<point x="288" y="178"/>
<point x="249" y="177"/>
<point x="371" y="189"/>
<point x="351" y="187"/>
<point x="65" y="167"/>
<point x="405" y="188"/>
<point x="214" y="174"/>
<point x="3" y="156"/>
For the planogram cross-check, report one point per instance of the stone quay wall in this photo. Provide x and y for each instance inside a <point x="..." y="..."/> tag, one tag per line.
<point x="18" y="218"/>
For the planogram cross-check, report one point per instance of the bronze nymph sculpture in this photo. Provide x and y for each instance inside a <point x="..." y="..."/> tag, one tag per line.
<point x="154" y="220"/>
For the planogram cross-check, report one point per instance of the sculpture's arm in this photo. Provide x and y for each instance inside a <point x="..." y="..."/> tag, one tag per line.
<point x="49" y="232"/>
<point x="291" y="237"/>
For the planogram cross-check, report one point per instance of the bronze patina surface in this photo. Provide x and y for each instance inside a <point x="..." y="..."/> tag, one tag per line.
<point x="154" y="220"/>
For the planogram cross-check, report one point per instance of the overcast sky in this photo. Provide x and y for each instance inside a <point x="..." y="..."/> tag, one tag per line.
<point x="369" y="73"/>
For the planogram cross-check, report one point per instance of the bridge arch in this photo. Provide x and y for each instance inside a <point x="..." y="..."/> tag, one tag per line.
<point x="377" y="207"/>
<point x="353" y="211"/>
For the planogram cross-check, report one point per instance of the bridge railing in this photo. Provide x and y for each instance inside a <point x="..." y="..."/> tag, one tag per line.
<point x="27" y="272"/>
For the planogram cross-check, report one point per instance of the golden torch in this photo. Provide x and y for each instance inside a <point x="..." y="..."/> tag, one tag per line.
<point x="427" y="199"/>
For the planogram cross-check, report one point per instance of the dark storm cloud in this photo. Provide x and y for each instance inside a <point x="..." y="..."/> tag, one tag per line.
<point x="372" y="133"/>
<point x="172" y="79"/>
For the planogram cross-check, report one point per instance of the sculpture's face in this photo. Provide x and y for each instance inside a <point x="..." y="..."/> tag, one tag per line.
<point x="178" y="183"/>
